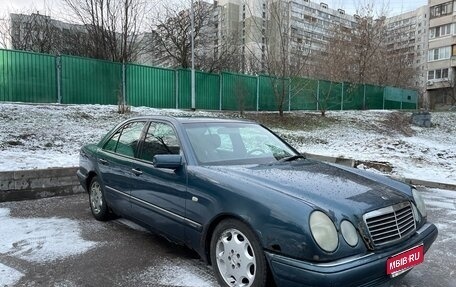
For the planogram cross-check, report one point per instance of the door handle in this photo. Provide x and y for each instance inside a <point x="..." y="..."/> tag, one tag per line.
<point x="136" y="171"/>
<point x="103" y="161"/>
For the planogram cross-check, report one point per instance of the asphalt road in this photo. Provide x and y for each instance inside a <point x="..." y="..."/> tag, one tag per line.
<point x="56" y="242"/>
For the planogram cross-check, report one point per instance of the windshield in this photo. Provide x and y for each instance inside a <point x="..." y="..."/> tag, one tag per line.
<point x="235" y="143"/>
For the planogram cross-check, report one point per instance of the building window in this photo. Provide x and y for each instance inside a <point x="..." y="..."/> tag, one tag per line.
<point x="439" y="74"/>
<point x="439" y="54"/>
<point x="440" y="31"/>
<point x="441" y="9"/>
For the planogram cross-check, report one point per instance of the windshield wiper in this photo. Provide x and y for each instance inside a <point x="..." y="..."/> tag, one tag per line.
<point x="291" y="158"/>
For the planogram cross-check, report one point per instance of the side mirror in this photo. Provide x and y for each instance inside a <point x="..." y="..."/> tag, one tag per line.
<point x="170" y="161"/>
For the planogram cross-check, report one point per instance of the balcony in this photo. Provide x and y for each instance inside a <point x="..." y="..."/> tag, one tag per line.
<point x="453" y="61"/>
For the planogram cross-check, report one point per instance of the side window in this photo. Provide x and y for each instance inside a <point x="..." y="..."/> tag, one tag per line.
<point x="125" y="141"/>
<point x="160" y="139"/>
<point x="112" y="143"/>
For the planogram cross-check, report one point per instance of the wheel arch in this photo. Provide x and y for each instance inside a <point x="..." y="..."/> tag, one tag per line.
<point x="207" y="236"/>
<point x="89" y="178"/>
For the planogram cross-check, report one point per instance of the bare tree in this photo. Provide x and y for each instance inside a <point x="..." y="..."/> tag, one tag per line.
<point x="112" y="31"/>
<point x="448" y="97"/>
<point x="30" y="32"/>
<point x="241" y="92"/>
<point x="170" y="39"/>
<point x="280" y="51"/>
<point x="112" y="26"/>
<point x="5" y="35"/>
<point x="360" y="55"/>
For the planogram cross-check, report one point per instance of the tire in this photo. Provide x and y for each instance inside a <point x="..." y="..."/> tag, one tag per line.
<point x="236" y="256"/>
<point x="97" y="201"/>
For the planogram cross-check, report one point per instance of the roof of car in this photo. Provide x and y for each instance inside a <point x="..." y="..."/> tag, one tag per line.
<point x="184" y="120"/>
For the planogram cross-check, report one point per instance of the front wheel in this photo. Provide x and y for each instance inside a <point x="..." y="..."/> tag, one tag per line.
<point x="97" y="201"/>
<point x="237" y="256"/>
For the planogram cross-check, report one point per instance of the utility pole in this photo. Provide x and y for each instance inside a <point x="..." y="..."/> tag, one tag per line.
<point x="192" y="20"/>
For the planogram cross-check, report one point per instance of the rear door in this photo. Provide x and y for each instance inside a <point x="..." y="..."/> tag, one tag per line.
<point x="158" y="194"/>
<point x="114" y="162"/>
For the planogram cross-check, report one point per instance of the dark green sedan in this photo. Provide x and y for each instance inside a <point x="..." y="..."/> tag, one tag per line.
<point x="252" y="206"/>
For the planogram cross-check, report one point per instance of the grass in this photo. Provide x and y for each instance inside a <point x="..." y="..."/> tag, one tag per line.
<point x="292" y="121"/>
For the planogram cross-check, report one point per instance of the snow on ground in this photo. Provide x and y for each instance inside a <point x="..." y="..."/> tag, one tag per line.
<point x="421" y="153"/>
<point x="44" y="136"/>
<point x="176" y="273"/>
<point x="9" y="276"/>
<point x="40" y="239"/>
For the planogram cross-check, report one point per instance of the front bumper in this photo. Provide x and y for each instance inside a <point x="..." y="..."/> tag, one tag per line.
<point x="367" y="270"/>
<point x="82" y="179"/>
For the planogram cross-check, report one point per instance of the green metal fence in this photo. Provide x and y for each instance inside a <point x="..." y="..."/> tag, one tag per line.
<point x="239" y="92"/>
<point x="395" y="98"/>
<point x="151" y="87"/>
<point x="38" y="78"/>
<point x="207" y="89"/>
<point x="89" y="81"/>
<point x="27" y="77"/>
<point x="304" y="94"/>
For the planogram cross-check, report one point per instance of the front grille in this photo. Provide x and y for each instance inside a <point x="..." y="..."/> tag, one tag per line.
<point x="390" y="224"/>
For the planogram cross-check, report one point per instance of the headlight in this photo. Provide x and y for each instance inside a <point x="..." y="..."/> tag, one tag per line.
<point x="419" y="202"/>
<point x="416" y="214"/>
<point x="323" y="231"/>
<point x="349" y="233"/>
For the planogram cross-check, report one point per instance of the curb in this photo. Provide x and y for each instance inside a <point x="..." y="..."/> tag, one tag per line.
<point x="382" y="166"/>
<point x="38" y="183"/>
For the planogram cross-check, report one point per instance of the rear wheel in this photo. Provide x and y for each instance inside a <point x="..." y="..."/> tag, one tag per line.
<point x="97" y="201"/>
<point x="237" y="256"/>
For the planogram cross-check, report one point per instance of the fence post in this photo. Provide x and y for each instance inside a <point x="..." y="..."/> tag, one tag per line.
<point x="318" y="95"/>
<point x="124" y="88"/>
<point x="258" y="93"/>
<point x="402" y="98"/>
<point x="289" y="95"/>
<point x="342" y="99"/>
<point x="221" y="90"/>
<point x="58" y="66"/>
<point x="384" y="89"/>
<point x="176" y="72"/>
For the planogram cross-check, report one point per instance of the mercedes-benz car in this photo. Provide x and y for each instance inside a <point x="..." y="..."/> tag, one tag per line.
<point x="252" y="206"/>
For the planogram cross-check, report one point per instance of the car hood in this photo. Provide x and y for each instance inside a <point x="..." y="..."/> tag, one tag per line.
<point x="322" y="185"/>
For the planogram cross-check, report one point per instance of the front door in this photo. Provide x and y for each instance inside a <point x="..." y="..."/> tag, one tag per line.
<point x="114" y="162"/>
<point x="158" y="194"/>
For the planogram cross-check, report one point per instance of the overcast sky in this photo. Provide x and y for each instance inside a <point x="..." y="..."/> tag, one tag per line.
<point x="54" y="7"/>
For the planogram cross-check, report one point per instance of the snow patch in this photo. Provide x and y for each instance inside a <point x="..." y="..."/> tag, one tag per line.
<point x="176" y="273"/>
<point x="181" y="276"/>
<point x="9" y="276"/>
<point x="41" y="239"/>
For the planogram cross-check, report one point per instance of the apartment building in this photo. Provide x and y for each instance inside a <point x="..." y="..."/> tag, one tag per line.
<point x="309" y="26"/>
<point x="41" y="33"/>
<point x="243" y="23"/>
<point x="257" y="23"/>
<point x="441" y="52"/>
<point x="407" y="36"/>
